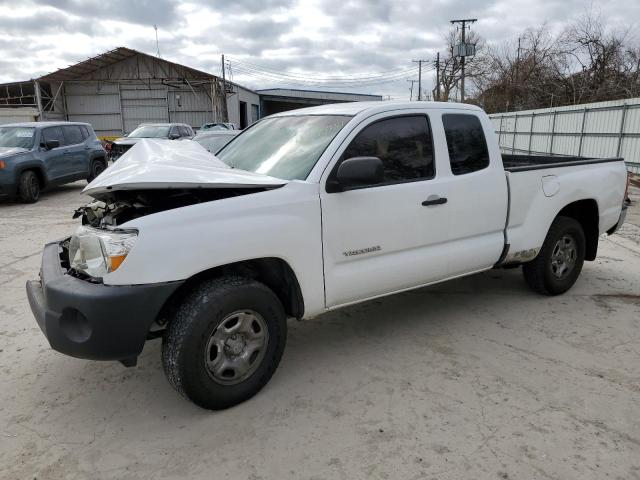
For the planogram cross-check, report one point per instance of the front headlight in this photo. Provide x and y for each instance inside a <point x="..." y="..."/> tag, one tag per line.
<point x="97" y="252"/>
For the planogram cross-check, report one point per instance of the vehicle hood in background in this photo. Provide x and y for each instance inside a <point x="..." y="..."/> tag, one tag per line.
<point x="6" y="151"/>
<point x="126" y="141"/>
<point x="164" y="164"/>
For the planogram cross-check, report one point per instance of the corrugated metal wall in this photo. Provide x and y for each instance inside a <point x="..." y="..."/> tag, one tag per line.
<point x="15" y="115"/>
<point x="143" y="104"/>
<point x="603" y="129"/>
<point x="190" y="106"/>
<point x="114" y="108"/>
<point x="95" y="103"/>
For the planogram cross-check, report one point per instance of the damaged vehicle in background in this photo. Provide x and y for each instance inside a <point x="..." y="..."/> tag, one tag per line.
<point x="167" y="131"/>
<point x="304" y="212"/>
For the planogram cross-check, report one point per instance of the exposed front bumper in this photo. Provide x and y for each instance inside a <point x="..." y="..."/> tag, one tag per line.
<point x="93" y="320"/>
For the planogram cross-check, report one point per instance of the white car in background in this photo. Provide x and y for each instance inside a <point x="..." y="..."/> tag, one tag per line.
<point x="214" y="140"/>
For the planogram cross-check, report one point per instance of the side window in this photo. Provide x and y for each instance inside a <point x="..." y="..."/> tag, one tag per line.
<point x="184" y="131"/>
<point x="53" y="133"/>
<point x="403" y="144"/>
<point x="72" y="134"/>
<point x="466" y="143"/>
<point x="85" y="132"/>
<point x="174" y="131"/>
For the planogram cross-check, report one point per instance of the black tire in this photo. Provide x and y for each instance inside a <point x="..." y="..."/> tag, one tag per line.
<point x="542" y="274"/>
<point x="29" y="187"/>
<point x="197" y="317"/>
<point x="97" y="167"/>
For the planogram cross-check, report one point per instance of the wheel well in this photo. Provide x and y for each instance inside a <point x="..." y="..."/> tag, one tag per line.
<point x="585" y="212"/>
<point x="275" y="273"/>
<point x="38" y="171"/>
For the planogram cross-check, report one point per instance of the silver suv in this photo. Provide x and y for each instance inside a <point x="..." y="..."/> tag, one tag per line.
<point x="170" y="131"/>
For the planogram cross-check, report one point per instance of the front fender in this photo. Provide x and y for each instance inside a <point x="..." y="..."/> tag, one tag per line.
<point x="31" y="164"/>
<point x="280" y="223"/>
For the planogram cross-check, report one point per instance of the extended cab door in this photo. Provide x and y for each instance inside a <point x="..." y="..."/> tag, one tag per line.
<point x="383" y="238"/>
<point x="477" y="193"/>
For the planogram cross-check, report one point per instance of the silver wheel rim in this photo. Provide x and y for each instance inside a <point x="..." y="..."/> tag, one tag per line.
<point x="563" y="257"/>
<point x="236" y="347"/>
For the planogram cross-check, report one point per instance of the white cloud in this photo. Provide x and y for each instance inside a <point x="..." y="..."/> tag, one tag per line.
<point x="311" y="37"/>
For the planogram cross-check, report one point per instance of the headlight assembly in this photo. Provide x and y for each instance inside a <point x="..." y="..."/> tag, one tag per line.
<point x="97" y="252"/>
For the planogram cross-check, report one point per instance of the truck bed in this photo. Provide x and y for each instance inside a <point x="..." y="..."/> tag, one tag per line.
<point x="521" y="163"/>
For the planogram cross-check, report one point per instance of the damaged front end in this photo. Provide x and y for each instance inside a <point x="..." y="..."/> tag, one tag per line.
<point x="158" y="175"/>
<point x="116" y="208"/>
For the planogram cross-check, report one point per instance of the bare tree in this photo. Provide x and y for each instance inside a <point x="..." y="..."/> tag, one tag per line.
<point x="450" y="66"/>
<point x="586" y="62"/>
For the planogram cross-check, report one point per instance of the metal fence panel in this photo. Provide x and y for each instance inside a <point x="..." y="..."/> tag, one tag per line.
<point x="603" y="129"/>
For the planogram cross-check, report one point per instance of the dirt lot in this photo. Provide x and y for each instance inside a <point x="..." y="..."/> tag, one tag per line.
<point x="478" y="378"/>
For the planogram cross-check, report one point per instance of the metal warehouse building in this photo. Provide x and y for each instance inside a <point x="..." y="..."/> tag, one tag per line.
<point x="119" y="89"/>
<point x="282" y="99"/>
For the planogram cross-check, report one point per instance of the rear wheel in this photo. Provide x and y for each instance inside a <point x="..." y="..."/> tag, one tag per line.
<point x="559" y="263"/>
<point x="29" y="187"/>
<point x="225" y="341"/>
<point x="97" y="167"/>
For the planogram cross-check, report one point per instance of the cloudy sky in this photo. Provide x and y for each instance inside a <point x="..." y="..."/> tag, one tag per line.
<point x="305" y="39"/>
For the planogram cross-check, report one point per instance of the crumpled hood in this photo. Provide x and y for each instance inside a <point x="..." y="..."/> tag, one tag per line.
<point x="6" y="151"/>
<point x="165" y="164"/>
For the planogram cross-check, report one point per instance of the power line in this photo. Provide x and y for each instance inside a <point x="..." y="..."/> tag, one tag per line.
<point x="313" y="81"/>
<point x="337" y="78"/>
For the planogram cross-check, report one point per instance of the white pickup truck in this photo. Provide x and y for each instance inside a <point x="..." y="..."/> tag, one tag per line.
<point x="304" y="212"/>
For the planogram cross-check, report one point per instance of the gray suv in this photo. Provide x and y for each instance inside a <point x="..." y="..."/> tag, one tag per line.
<point x="168" y="131"/>
<point x="41" y="154"/>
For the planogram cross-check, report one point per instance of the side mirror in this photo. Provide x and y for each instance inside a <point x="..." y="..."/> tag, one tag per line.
<point x="359" y="171"/>
<point x="51" y="144"/>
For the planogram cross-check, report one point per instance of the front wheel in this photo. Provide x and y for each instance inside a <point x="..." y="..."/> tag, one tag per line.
<point x="29" y="187"/>
<point x="224" y="342"/>
<point x="97" y="167"/>
<point x="559" y="263"/>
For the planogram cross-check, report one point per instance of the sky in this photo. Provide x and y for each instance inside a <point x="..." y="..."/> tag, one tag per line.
<point x="316" y="43"/>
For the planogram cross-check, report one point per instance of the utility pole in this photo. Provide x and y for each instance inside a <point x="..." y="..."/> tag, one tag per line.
<point x="438" y="77"/>
<point x="463" y="22"/>
<point x="225" y="113"/>
<point x="412" y="82"/>
<point x="514" y="84"/>
<point x="419" y="62"/>
<point x="155" y="27"/>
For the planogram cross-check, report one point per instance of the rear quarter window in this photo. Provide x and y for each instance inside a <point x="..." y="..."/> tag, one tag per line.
<point x="72" y="134"/>
<point x="466" y="143"/>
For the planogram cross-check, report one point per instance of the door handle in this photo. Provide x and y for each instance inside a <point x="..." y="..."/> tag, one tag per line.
<point x="434" y="200"/>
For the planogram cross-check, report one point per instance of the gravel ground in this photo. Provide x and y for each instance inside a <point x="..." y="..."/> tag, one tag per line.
<point x="476" y="378"/>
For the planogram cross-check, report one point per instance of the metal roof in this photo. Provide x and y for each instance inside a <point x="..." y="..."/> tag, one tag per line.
<point x="93" y="64"/>
<point x="317" y="94"/>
